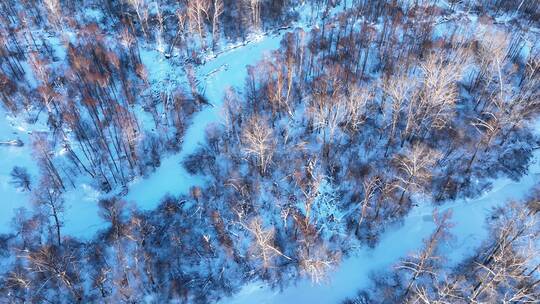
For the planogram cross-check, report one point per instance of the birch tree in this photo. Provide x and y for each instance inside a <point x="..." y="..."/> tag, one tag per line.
<point x="415" y="169"/>
<point x="426" y="262"/>
<point x="141" y="10"/>
<point x="258" y="141"/>
<point x="254" y="11"/>
<point x="316" y="261"/>
<point x="54" y="12"/>
<point x="508" y="260"/>
<point x="197" y="12"/>
<point x="263" y="247"/>
<point x="370" y="186"/>
<point x="218" y="11"/>
<point x="488" y="128"/>
<point x="400" y="89"/>
<point x="49" y="198"/>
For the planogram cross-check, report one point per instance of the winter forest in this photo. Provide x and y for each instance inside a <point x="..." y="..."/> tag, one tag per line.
<point x="270" y="151"/>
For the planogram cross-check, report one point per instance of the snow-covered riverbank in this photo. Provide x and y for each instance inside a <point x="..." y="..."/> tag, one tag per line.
<point x="227" y="70"/>
<point x="81" y="216"/>
<point x="10" y="197"/>
<point x="353" y="273"/>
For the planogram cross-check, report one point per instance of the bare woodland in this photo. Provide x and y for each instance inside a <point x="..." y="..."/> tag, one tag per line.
<point x="334" y="137"/>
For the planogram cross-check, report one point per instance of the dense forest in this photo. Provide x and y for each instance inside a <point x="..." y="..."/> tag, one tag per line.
<point x="367" y="110"/>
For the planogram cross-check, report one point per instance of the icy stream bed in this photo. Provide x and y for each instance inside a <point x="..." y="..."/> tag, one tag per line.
<point x="81" y="217"/>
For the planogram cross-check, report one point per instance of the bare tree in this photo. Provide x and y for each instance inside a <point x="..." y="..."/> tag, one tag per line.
<point x="400" y="89"/>
<point x="263" y="247"/>
<point x="181" y="30"/>
<point x="488" y="128"/>
<point x="141" y="9"/>
<point x="50" y="198"/>
<point x="20" y="178"/>
<point x="327" y="114"/>
<point x="439" y="90"/>
<point x="370" y="186"/>
<point x="54" y="264"/>
<point x="218" y="11"/>
<point x="254" y="9"/>
<point x="197" y="12"/>
<point x="278" y="87"/>
<point x="415" y="168"/>
<point x="507" y="262"/>
<point x="231" y="112"/>
<point x="492" y="54"/>
<point x="310" y="188"/>
<point x="357" y="102"/>
<point x="258" y="140"/>
<point x="434" y="103"/>
<point x="316" y="261"/>
<point x="160" y="29"/>
<point x="54" y="11"/>
<point x="42" y="149"/>
<point x="427" y="261"/>
<point x="523" y="104"/>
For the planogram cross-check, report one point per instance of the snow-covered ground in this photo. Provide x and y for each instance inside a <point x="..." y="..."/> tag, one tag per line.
<point x="10" y="156"/>
<point x="227" y="70"/>
<point x="353" y="273"/>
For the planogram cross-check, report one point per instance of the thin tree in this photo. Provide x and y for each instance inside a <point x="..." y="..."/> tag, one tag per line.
<point x="258" y="141"/>
<point x="263" y="247"/>
<point x="427" y="261"/>
<point x="218" y="11"/>
<point x="20" y="178"/>
<point x="415" y="168"/>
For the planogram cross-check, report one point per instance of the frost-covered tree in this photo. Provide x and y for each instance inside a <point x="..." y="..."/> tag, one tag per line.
<point x="316" y="262"/>
<point x="400" y="88"/>
<point x="263" y="247"/>
<point x="253" y="10"/>
<point x="370" y="186"/>
<point x="54" y="11"/>
<point x="141" y="9"/>
<point x="49" y="200"/>
<point x="415" y="169"/>
<point x="258" y="141"/>
<point x="198" y="13"/>
<point x="425" y="263"/>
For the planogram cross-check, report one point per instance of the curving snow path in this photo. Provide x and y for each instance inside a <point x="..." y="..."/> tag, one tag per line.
<point x="81" y="211"/>
<point x="227" y="70"/>
<point x="80" y="217"/>
<point x="220" y="73"/>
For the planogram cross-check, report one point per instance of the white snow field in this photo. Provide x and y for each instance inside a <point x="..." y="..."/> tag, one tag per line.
<point x="10" y="197"/>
